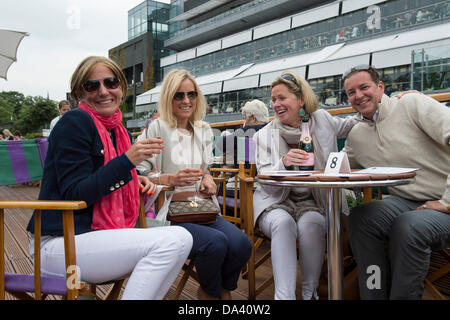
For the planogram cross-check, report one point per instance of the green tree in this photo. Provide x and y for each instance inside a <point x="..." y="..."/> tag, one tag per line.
<point x="6" y="110"/>
<point x="35" y="116"/>
<point x="14" y="100"/>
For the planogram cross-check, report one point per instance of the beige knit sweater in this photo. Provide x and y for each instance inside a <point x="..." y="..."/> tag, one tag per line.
<point x="413" y="131"/>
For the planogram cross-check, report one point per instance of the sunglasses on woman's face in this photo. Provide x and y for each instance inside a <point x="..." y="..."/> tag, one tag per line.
<point x="179" y="96"/>
<point x="94" y="85"/>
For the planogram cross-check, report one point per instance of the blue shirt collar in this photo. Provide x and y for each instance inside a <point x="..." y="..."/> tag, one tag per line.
<point x="375" y="116"/>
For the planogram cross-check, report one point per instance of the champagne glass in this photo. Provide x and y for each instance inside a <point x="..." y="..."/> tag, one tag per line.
<point x="157" y="172"/>
<point x="196" y="198"/>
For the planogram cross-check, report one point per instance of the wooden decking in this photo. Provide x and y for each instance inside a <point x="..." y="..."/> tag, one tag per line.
<point x="18" y="260"/>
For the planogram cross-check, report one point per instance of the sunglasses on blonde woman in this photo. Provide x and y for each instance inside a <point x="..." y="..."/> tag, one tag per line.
<point x="94" y="85"/>
<point x="179" y="96"/>
<point x="291" y="78"/>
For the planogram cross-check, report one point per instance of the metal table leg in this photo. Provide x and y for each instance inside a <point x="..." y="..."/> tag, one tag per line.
<point x="334" y="245"/>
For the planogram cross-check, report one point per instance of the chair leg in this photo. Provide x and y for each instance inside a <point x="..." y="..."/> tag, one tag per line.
<point x="21" y="295"/>
<point x="434" y="292"/>
<point x="88" y="292"/>
<point x="251" y="276"/>
<point x="114" y="292"/>
<point x="188" y="271"/>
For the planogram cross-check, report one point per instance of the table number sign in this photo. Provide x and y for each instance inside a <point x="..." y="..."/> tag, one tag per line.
<point x="337" y="163"/>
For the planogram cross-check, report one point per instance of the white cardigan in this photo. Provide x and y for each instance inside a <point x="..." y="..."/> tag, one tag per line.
<point x="270" y="148"/>
<point x="171" y="159"/>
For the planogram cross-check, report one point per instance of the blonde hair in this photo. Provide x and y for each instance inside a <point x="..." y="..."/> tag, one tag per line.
<point x="85" y="69"/>
<point x="171" y="83"/>
<point x="258" y="109"/>
<point x="7" y="133"/>
<point x="301" y="89"/>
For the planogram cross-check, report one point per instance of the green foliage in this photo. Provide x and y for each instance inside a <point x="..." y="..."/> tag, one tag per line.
<point x="34" y="117"/>
<point x="353" y="201"/>
<point x="33" y="135"/>
<point x="124" y="109"/>
<point x="27" y="113"/>
<point x="6" y="111"/>
<point x="11" y="102"/>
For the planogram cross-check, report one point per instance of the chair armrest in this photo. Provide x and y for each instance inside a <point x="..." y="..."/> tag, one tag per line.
<point x="167" y="188"/>
<point x="218" y="180"/>
<point x="245" y="178"/>
<point x="42" y="204"/>
<point x="232" y="170"/>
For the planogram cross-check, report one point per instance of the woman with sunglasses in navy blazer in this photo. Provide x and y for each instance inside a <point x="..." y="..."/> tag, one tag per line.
<point x="90" y="158"/>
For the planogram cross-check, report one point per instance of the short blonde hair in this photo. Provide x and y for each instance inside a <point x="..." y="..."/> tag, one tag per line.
<point x="301" y="89"/>
<point x="85" y="69"/>
<point x="171" y="83"/>
<point x="258" y="109"/>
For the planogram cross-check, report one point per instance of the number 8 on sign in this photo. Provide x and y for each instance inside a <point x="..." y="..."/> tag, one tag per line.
<point x="337" y="163"/>
<point x="333" y="163"/>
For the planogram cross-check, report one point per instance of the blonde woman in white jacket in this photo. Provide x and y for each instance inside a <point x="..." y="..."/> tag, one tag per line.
<point x="290" y="214"/>
<point x="220" y="249"/>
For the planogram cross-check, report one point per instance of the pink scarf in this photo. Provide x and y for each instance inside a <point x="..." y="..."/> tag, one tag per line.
<point x="120" y="208"/>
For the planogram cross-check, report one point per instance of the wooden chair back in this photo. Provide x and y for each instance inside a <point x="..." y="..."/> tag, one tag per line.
<point x="42" y="286"/>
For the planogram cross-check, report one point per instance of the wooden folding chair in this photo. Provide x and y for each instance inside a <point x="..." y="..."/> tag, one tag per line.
<point x="437" y="282"/>
<point x="246" y="184"/>
<point x="230" y="211"/>
<point x="20" y="285"/>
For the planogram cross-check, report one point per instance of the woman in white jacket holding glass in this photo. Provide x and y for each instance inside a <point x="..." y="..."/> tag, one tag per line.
<point x="289" y="214"/>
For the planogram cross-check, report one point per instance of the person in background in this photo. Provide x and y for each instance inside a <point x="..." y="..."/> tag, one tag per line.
<point x="287" y="215"/>
<point x="17" y="135"/>
<point x="90" y="158"/>
<point x="63" y="107"/>
<point x="220" y="250"/>
<point x="256" y="116"/>
<point x="398" y="233"/>
<point x="7" y="135"/>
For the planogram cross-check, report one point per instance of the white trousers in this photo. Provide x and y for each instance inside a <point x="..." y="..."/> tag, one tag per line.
<point x="150" y="257"/>
<point x="283" y="230"/>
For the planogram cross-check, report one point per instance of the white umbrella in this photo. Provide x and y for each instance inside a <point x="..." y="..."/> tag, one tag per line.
<point x="9" y="42"/>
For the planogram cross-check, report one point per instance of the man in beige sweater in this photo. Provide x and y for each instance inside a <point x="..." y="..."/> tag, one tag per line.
<point x="392" y="238"/>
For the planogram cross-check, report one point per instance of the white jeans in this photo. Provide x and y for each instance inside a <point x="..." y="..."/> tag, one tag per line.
<point x="151" y="257"/>
<point x="310" y="230"/>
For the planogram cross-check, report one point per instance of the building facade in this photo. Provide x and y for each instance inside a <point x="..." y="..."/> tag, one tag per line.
<point x="140" y="56"/>
<point x="236" y="48"/>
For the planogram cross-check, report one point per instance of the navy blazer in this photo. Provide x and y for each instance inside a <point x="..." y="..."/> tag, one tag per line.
<point x="74" y="170"/>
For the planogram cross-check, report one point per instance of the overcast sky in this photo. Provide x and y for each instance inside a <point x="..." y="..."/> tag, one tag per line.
<point x="62" y="33"/>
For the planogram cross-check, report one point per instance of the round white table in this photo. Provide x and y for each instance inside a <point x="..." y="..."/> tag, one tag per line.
<point x="334" y="184"/>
